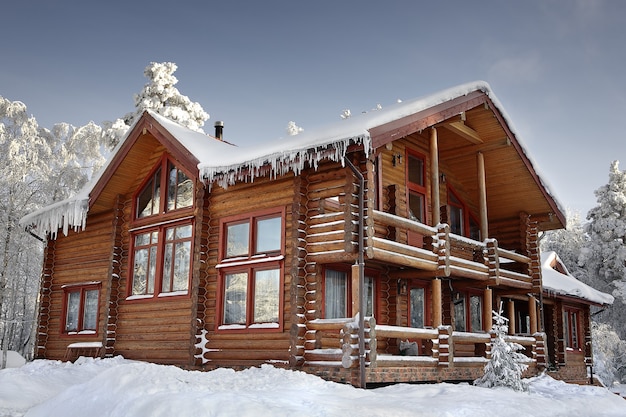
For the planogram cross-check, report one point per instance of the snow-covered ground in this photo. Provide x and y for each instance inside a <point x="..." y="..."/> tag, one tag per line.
<point x="119" y="387"/>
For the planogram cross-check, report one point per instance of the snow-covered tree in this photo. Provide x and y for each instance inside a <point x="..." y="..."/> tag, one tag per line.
<point x="505" y="368"/>
<point x="609" y="354"/>
<point x="293" y="129"/>
<point x="161" y="96"/>
<point x="568" y="244"/>
<point x="345" y="114"/>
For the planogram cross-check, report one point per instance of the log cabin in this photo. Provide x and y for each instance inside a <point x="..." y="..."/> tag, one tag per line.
<point x="567" y="304"/>
<point x="370" y="251"/>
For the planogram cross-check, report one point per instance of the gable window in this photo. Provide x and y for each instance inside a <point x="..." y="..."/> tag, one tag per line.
<point x="80" y="315"/>
<point x="461" y="221"/>
<point x="468" y="312"/>
<point x="162" y="243"/>
<point x="252" y="253"/>
<point x="571" y="326"/>
<point x="338" y="290"/>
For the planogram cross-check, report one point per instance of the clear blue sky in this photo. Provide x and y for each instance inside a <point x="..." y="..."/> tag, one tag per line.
<point x="557" y="66"/>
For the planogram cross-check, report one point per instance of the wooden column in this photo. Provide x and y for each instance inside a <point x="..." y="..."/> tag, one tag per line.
<point x="434" y="176"/>
<point x="532" y="313"/>
<point x="355" y="289"/>
<point x="487" y="309"/>
<point x="511" y="314"/>
<point x="482" y="197"/>
<point x="437" y="302"/>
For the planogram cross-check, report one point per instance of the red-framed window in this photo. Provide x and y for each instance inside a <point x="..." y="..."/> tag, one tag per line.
<point x="81" y="306"/>
<point x="572" y="327"/>
<point x="251" y="270"/>
<point x="416" y="185"/>
<point x="162" y="233"/>
<point x="419" y="300"/>
<point x="460" y="219"/>
<point x="468" y="311"/>
<point x="337" y="286"/>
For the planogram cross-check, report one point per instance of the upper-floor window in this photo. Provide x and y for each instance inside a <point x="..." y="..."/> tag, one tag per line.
<point x="251" y="265"/>
<point x="176" y="185"/>
<point x="80" y="307"/>
<point x="461" y="221"/>
<point x="162" y="242"/>
<point x="416" y="186"/>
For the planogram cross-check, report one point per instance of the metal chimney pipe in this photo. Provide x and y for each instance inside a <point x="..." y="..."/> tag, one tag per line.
<point x="219" y="129"/>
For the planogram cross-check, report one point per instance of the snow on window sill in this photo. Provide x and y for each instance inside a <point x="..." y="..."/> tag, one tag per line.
<point x="172" y="294"/>
<point x="85" y="345"/>
<point x="139" y="297"/>
<point x="252" y="326"/>
<point x="82" y="332"/>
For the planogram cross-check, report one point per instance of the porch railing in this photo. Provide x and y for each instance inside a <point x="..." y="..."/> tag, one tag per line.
<point x="335" y="343"/>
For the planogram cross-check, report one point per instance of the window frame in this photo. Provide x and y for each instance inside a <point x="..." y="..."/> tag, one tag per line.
<point x="467" y="218"/>
<point x="368" y="273"/>
<point x="416" y="188"/>
<point x="160" y="221"/>
<point x="466" y="297"/>
<point x="250" y="263"/>
<point x="572" y="339"/>
<point x="82" y="289"/>
<point x="415" y="284"/>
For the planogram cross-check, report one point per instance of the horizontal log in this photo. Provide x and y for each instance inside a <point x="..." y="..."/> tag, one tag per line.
<point x="503" y="253"/>
<point x="399" y="259"/>
<point x="397" y="221"/>
<point x="465" y="337"/>
<point x="264" y="355"/>
<point x="463" y="272"/>
<point x="405" y="332"/>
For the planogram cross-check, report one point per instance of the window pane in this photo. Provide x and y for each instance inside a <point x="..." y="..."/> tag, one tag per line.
<point x="179" y="189"/>
<point x="369" y="296"/>
<point x="237" y="238"/>
<point x="416" y="206"/>
<point x="182" y="261"/>
<point x="459" y="314"/>
<point x="417" y="307"/>
<point x="73" y="304"/>
<point x="144" y="201"/>
<point x="167" y="268"/>
<point x="90" y="319"/>
<point x="474" y="229"/>
<point x="266" y="296"/>
<point x="152" y="270"/>
<point x="235" y="291"/>
<point x="455" y="220"/>
<point x="140" y="271"/>
<point x="268" y="235"/>
<point x="156" y="200"/>
<point x="476" y="313"/>
<point x="416" y="170"/>
<point x="335" y="295"/>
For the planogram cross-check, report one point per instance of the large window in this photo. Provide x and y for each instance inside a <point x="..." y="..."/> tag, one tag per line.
<point x="338" y="292"/>
<point x="468" y="312"/>
<point x="81" y="308"/>
<point x="162" y="241"/>
<point x="571" y="325"/>
<point x="251" y="253"/>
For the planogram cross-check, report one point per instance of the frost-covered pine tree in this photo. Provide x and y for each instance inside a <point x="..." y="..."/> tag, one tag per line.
<point x="603" y="255"/>
<point x="505" y="368"/>
<point x="568" y="243"/>
<point x="161" y="96"/>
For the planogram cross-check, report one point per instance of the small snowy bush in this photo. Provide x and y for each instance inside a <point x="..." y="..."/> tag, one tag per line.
<point x="505" y="367"/>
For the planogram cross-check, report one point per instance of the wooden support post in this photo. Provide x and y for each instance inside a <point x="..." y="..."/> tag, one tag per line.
<point x="511" y="314"/>
<point x="487" y="308"/>
<point x="355" y="289"/>
<point x="532" y="312"/>
<point x="482" y="197"/>
<point x="434" y="176"/>
<point x="437" y="302"/>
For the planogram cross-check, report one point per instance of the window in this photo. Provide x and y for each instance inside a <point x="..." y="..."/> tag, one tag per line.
<point x="81" y="308"/>
<point x="251" y="253"/>
<point x="419" y="305"/>
<point x="178" y="186"/>
<point x="162" y="242"/>
<point x="468" y="312"/>
<point x="460" y="219"/>
<point x="571" y="326"/>
<point x="416" y="186"/>
<point x="337" y="294"/>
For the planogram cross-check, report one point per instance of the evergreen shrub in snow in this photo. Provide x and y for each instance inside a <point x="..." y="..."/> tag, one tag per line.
<point x="505" y="367"/>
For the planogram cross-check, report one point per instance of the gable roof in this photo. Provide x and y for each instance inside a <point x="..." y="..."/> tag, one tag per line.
<point x="224" y="164"/>
<point x="564" y="284"/>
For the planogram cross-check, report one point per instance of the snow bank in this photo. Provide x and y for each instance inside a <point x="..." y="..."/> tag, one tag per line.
<point x="566" y="284"/>
<point x="118" y="387"/>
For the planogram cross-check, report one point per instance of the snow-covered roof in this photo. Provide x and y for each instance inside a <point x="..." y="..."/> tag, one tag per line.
<point x="224" y="164"/>
<point x="565" y="284"/>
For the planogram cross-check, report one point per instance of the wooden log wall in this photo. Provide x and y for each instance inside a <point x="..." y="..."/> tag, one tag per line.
<point x="248" y="348"/>
<point x="77" y="258"/>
